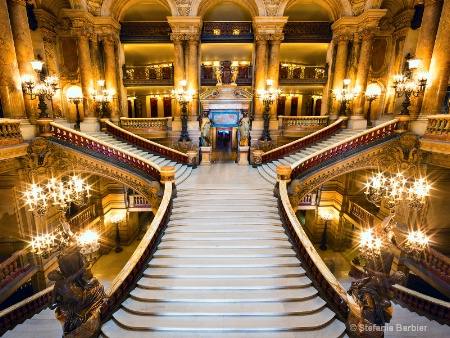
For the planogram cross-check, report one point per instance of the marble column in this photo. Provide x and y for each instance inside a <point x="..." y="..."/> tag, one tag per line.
<point x="439" y="66"/>
<point x="178" y="66"/>
<point x="85" y="68"/>
<point x="363" y="71"/>
<point x="111" y="74"/>
<point x="10" y="85"/>
<point x="425" y="44"/>
<point x="192" y="74"/>
<point x="23" y="47"/>
<point x="260" y="73"/>
<point x="340" y="68"/>
<point x="356" y="52"/>
<point x="399" y="38"/>
<point x="273" y="71"/>
<point x="49" y="39"/>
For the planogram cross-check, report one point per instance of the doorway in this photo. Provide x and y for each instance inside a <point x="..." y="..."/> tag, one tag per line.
<point x="223" y="139"/>
<point x="224" y="144"/>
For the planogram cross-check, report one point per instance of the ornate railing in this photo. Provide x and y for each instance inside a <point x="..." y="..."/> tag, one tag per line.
<point x="361" y="214"/>
<point x="81" y="140"/>
<point x="13" y="267"/>
<point x="312" y="261"/>
<point x="244" y="76"/>
<point x="145" y="31"/>
<point x="82" y="218"/>
<point x="150" y="127"/>
<point x="304" y="123"/>
<point x="309" y="199"/>
<point x="136" y="200"/>
<point x="24" y="309"/>
<point x="155" y="74"/>
<point x="436" y="263"/>
<point x="227" y="31"/>
<point x="125" y="280"/>
<point x="301" y="143"/>
<point x="438" y="128"/>
<point x="419" y="301"/>
<point x="10" y="133"/>
<point x="291" y="73"/>
<point x="141" y="142"/>
<point x="302" y="31"/>
<point x="342" y="147"/>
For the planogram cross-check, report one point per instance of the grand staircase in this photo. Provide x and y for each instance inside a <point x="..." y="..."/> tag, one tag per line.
<point x="268" y="170"/>
<point x="224" y="268"/>
<point x="182" y="170"/>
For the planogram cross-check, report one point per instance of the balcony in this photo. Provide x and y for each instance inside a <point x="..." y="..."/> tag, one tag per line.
<point x="145" y="32"/>
<point x="209" y="77"/>
<point x="149" y="75"/>
<point x="227" y="32"/>
<point x="302" y="31"/>
<point x="294" y="74"/>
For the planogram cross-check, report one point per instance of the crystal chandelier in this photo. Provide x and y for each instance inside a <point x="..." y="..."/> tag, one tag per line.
<point x="370" y="245"/>
<point x="416" y="242"/>
<point x="88" y="243"/>
<point x="56" y="193"/>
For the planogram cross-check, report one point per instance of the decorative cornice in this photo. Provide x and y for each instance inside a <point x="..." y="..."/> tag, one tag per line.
<point x="403" y="19"/>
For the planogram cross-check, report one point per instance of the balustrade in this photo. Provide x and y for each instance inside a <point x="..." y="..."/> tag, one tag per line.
<point x="156" y="74"/>
<point x="13" y="267"/>
<point x="290" y="123"/>
<point x="147" y="124"/>
<point x="137" y="201"/>
<point x="10" y="133"/>
<point x="438" y="128"/>
<point x="436" y="263"/>
<point x="227" y="31"/>
<point x="297" y="73"/>
<point x="82" y="218"/>
<point x="361" y="214"/>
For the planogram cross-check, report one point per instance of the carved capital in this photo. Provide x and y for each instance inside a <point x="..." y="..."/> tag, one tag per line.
<point x="48" y="35"/>
<point x="183" y="7"/>
<point x="271" y="7"/>
<point x="269" y="37"/>
<point x="342" y="38"/>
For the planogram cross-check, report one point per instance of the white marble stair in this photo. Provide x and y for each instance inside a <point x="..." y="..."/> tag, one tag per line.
<point x="42" y="325"/>
<point x="182" y="170"/>
<point x="224" y="268"/>
<point x="268" y="170"/>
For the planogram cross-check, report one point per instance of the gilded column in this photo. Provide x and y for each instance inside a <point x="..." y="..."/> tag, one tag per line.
<point x="192" y="73"/>
<point x="49" y="39"/>
<point x="340" y="67"/>
<point x="273" y="71"/>
<point x="109" y="44"/>
<point x="84" y="64"/>
<point x="10" y="85"/>
<point x="425" y="44"/>
<point x="178" y="64"/>
<point x="439" y="66"/>
<point x="356" y="52"/>
<point x="363" y="70"/>
<point x="23" y="47"/>
<point x="260" y="72"/>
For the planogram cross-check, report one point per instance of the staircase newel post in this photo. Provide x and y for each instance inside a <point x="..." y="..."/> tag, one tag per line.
<point x="168" y="175"/>
<point x="283" y="174"/>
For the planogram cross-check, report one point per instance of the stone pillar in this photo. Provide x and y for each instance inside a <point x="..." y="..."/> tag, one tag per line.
<point x="178" y="65"/>
<point x="260" y="73"/>
<point x="111" y="75"/>
<point x="425" y="44"/>
<point x="84" y="65"/>
<point x="399" y="38"/>
<point x="10" y="85"/>
<point x="23" y="47"/>
<point x="192" y="74"/>
<point x="340" y="68"/>
<point x="273" y="71"/>
<point x="363" y="70"/>
<point x="49" y="39"/>
<point x="355" y="57"/>
<point x="439" y="67"/>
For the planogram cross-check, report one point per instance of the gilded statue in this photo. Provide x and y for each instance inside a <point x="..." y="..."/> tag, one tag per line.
<point x="244" y="129"/>
<point x="206" y="130"/>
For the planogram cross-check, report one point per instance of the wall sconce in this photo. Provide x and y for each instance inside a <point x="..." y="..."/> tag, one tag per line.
<point x="345" y="95"/>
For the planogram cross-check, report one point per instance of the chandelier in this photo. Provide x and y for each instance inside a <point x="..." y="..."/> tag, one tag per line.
<point x="370" y="245"/>
<point x="416" y="242"/>
<point x="88" y="243"/>
<point x="102" y="96"/>
<point x="56" y="193"/>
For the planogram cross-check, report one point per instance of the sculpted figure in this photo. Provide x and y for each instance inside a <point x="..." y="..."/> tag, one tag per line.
<point x="244" y="129"/>
<point x="206" y="130"/>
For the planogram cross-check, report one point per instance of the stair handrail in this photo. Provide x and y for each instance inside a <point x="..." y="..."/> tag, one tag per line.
<point x="302" y="142"/>
<point x="80" y="139"/>
<point x="362" y="138"/>
<point x="323" y="276"/>
<point x="130" y="272"/>
<point x="146" y="144"/>
<point x="13" y="266"/>
<point x="436" y="263"/>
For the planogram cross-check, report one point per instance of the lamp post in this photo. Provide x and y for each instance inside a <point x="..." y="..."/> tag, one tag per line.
<point x="406" y="85"/>
<point x="344" y="95"/>
<point x="183" y="97"/>
<point x="75" y="95"/>
<point x="102" y="96"/>
<point x="40" y="89"/>
<point x="116" y="219"/>
<point x="327" y="217"/>
<point x="371" y="95"/>
<point x="267" y="96"/>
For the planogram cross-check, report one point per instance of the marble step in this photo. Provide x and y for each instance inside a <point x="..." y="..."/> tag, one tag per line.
<point x="221" y="207"/>
<point x="224" y="222"/>
<point x="224" y="236"/>
<point x="181" y="178"/>
<point x="266" y="176"/>
<point x="209" y="199"/>
<point x="223" y="284"/>
<point x="333" y="329"/>
<point x="224" y="215"/>
<point x="225" y="323"/>
<point x="217" y="262"/>
<point x="224" y="252"/>
<point x="236" y="244"/>
<point x="205" y="228"/>
<point x="226" y="309"/>
<point x="224" y="296"/>
<point x="221" y="273"/>
<point x="250" y="203"/>
<point x="226" y="190"/>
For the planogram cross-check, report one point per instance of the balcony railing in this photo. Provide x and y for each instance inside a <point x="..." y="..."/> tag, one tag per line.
<point x="145" y="31"/>
<point x="13" y="267"/>
<point x="361" y="214"/>
<point x="303" y="31"/>
<point x="438" y="128"/>
<point x="227" y="31"/>
<point x="302" y="123"/>
<point x="154" y="74"/>
<point x="147" y="127"/>
<point x="10" y="132"/>
<point x="81" y="219"/>
<point x="292" y="73"/>
<point x="244" y="77"/>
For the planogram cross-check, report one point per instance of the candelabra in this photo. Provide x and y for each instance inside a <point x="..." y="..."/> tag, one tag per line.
<point x="88" y="243"/>
<point x="406" y="85"/>
<point x="327" y="217"/>
<point x="267" y="96"/>
<point x="344" y="95"/>
<point x="75" y="95"/>
<point x="369" y="245"/>
<point x="41" y="89"/>
<point x="116" y="219"/>
<point x="371" y="95"/>
<point x="183" y="97"/>
<point x="102" y="96"/>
